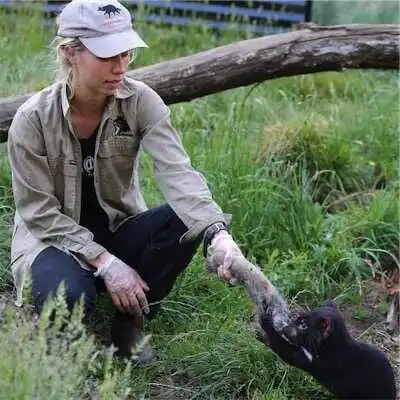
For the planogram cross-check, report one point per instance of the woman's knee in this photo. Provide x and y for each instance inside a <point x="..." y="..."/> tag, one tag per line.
<point x="53" y="268"/>
<point x="73" y="297"/>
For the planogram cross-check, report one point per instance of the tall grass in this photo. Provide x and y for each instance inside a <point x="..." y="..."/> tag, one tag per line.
<point x="307" y="165"/>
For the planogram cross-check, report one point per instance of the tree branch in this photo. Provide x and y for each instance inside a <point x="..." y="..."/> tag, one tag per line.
<point x="309" y="50"/>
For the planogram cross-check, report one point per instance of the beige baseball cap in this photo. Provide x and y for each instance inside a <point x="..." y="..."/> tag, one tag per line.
<point x="103" y="26"/>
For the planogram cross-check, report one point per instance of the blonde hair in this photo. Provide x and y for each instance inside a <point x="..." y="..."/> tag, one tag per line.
<point x="59" y="44"/>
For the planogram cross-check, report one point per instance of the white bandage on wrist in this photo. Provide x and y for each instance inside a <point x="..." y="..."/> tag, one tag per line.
<point x="102" y="270"/>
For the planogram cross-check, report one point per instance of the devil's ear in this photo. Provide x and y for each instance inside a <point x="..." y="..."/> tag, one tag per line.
<point x="325" y="326"/>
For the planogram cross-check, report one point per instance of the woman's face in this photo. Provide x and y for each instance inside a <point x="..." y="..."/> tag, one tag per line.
<point x="98" y="76"/>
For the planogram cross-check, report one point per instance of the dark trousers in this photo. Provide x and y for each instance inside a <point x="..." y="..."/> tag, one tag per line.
<point x="149" y="243"/>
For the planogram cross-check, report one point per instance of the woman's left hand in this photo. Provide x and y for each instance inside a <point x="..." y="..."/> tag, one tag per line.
<point x="223" y="243"/>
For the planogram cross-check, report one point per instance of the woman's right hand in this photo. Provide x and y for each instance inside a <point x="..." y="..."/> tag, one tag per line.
<point x="125" y="286"/>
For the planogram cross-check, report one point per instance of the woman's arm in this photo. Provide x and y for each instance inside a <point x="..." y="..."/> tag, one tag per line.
<point x="184" y="188"/>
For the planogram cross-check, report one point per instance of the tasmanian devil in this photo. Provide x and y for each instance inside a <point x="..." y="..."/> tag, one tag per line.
<point x="323" y="347"/>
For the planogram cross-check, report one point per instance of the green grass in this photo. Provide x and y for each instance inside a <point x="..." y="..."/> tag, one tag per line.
<point x="307" y="165"/>
<point x="328" y="12"/>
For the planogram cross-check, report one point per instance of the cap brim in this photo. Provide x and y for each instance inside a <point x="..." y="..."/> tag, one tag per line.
<point x="113" y="44"/>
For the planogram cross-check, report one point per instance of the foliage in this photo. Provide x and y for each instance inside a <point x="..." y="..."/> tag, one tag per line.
<point x="53" y="356"/>
<point x="307" y="166"/>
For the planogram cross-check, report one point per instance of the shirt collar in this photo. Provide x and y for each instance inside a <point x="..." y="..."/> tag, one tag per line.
<point x="65" y="94"/>
<point x="126" y="90"/>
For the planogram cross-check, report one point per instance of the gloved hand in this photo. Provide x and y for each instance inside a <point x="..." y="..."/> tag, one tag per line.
<point x="222" y="242"/>
<point x="125" y="286"/>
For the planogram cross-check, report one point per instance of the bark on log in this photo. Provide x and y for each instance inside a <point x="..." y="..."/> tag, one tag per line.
<point x="309" y="50"/>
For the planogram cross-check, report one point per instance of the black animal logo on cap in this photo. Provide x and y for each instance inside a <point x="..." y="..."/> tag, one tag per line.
<point x="109" y="9"/>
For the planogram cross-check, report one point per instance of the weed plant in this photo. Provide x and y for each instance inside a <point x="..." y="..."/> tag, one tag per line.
<point x="307" y="166"/>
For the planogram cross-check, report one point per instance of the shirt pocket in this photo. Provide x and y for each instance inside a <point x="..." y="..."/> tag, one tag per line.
<point x="56" y="167"/>
<point x="122" y="145"/>
<point x="70" y="180"/>
<point x="116" y="162"/>
<point x="65" y="176"/>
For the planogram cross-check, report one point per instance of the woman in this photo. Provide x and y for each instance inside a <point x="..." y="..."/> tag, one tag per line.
<point x="80" y="216"/>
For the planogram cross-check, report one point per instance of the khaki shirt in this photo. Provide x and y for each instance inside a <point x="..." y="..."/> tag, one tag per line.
<point x="45" y="159"/>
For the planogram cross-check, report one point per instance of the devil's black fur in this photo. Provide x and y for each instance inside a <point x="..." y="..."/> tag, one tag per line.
<point x="348" y="368"/>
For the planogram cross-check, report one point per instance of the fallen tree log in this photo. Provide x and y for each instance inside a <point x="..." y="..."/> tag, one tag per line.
<point x="309" y="50"/>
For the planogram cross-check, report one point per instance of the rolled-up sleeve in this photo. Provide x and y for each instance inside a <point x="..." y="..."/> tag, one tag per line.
<point x="185" y="189"/>
<point x="34" y="195"/>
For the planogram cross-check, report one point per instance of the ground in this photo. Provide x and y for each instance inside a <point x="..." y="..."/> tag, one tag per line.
<point x="367" y="321"/>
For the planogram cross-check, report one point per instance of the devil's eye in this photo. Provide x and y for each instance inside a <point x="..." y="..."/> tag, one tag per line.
<point x="302" y="324"/>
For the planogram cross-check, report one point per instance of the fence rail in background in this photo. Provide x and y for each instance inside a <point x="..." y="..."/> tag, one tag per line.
<point x="258" y="17"/>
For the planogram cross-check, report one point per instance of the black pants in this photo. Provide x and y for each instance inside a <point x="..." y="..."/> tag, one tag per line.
<point x="149" y="243"/>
